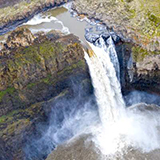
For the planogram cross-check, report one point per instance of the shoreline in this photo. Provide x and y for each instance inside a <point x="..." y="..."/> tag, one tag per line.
<point x="23" y="18"/>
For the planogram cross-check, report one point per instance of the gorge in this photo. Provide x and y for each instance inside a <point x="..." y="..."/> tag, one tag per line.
<point x="73" y="88"/>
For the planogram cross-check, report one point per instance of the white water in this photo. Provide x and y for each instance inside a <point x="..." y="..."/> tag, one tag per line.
<point x="120" y="129"/>
<point x="40" y="19"/>
<point x="107" y="87"/>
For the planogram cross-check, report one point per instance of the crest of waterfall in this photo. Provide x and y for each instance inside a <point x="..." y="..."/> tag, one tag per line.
<point x="106" y="85"/>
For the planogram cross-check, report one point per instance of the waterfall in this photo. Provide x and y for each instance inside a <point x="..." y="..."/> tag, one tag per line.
<point x="106" y="85"/>
<point x="120" y="128"/>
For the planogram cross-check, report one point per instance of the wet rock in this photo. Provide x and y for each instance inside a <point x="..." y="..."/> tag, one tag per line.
<point x="54" y="35"/>
<point x="92" y="37"/>
<point x="105" y="34"/>
<point x="79" y="149"/>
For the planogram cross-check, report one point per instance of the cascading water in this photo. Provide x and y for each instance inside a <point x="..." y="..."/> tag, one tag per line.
<point x="106" y="85"/>
<point x="120" y="128"/>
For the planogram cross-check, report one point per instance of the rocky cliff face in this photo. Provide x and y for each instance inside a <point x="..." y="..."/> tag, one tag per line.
<point x="134" y="21"/>
<point x="146" y="71"/>
<point x="139" y="68"/>
<point x="34" y="69"/>
<point x="137" y="24"/>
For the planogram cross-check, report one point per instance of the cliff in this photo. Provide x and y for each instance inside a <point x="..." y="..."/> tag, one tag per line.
<point x="34" y="71"/>
<point x="136" y="24"/>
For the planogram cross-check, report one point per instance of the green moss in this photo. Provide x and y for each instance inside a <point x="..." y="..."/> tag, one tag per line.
<point x="47" y="80"/>
<point x="138" y="53"/>
<point x="7" y="91"/>
<point x="10" y="116"/>
<point x="69" y="69"/>
<point x="29" y="86"/>
<point x="153" y="18"/>
<point x="46" y="47"/>
<point x="14" y="128"/>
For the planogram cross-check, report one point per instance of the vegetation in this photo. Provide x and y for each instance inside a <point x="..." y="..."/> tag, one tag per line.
<point x="8" y="90"/>
<point x="138" y="53"/>
<point x="9" y="13"/>
<point x="144" y="15"/>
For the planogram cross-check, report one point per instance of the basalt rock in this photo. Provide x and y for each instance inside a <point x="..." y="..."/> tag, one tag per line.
<point x="134" y="21"/>
<point x="32" y="74"/>
<point x="39" y="62"/>
<point x="146" y="72"/>
<point x="140" y="69"/>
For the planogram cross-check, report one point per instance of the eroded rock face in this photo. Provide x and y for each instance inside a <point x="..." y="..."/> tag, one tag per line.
<point x="31" y="78"/>
<point x="147" y="74"/>
<point x="140" y="69"/>
<point x="4" y="3"/>
<point x="25" y="66"/>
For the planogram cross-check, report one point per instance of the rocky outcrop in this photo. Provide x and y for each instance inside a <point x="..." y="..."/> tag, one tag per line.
<point x="33" y="72"/>
<point x="18" y="126"/>
<point x="4" y="3"/>
<point x="146" y="70"/>
<point x="24" y="68"/>
<point x="134" y="21"/>
<point x="20" y="37"/>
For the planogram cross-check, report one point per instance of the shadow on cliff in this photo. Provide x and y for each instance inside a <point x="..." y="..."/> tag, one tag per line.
<point x="71" y="112"/>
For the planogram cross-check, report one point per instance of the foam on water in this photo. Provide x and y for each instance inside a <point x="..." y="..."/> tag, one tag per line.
<point x="120" y="128"/>
<point x="40" y="19"/>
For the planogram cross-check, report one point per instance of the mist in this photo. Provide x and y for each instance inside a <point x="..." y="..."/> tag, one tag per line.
<point x="136" y="97"/>
<point x="71" y="115"/>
